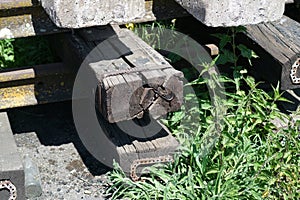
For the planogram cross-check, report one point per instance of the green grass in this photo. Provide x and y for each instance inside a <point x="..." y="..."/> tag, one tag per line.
<point x="250" y="157"/>
<point x="25" y="52"/>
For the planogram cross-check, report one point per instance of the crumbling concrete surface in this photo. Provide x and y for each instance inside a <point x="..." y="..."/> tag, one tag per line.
<point x="11" y="167"/>
<point x="79" y="13"/>
<point x="234" y="12"/>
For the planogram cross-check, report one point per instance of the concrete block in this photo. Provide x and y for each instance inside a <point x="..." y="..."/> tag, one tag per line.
<point x="78" y="13"/>
<point x="289" y="1"/>
<point x="234" y="12"/>
<point x="11" y="167"/>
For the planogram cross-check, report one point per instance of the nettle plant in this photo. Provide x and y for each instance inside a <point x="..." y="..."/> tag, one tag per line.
<point x="249" y="158"/>
<point x="6" y="53"/>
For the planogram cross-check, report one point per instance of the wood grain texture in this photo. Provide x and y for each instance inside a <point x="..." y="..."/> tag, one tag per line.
<point x="131" y="148"/>
<point x="128" y="72"/>
<point x="281" y="40"/>
<point x="126" y="141"/>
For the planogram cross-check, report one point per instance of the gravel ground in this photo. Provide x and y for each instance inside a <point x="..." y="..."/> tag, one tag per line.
<point x="48" y="135"/>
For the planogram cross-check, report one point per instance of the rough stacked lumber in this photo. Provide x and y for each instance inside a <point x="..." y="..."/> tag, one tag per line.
<point x="132" y="78"/>
<point x="281" y="43"/>
<point x="130" y="148"/>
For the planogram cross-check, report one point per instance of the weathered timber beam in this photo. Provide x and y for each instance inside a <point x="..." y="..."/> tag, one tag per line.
<point x="124" y="142"/>
<point x="280" y="42"/>
<point x="35" y="85"/>
<point x="131" y="148"/>
<point x="132" y="78"/>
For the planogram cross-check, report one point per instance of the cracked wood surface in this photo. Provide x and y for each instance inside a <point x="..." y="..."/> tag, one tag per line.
<point x="127" y="72"/>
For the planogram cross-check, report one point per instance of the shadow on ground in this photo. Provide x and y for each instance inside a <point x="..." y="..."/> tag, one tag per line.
<point x="54" y="126"/>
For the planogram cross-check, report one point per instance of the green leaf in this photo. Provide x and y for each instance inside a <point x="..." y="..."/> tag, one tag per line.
<point x="247" y="53"/>
<point x="226" y="57"/>
<point x="224" y="39"/>
<point x="240" y="29"/>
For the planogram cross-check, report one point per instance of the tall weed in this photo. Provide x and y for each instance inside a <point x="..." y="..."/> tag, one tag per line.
<point x="251" y="159"/>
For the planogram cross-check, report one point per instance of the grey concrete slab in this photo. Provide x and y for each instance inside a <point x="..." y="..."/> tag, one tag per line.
<point x="78" y="13"/>
<point x="11" y="167"/>
<point x="234" y="12"/>
<point x="289" y="1"/>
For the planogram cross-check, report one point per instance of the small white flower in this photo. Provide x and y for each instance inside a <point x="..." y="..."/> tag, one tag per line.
<point x="283" y="142"/>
